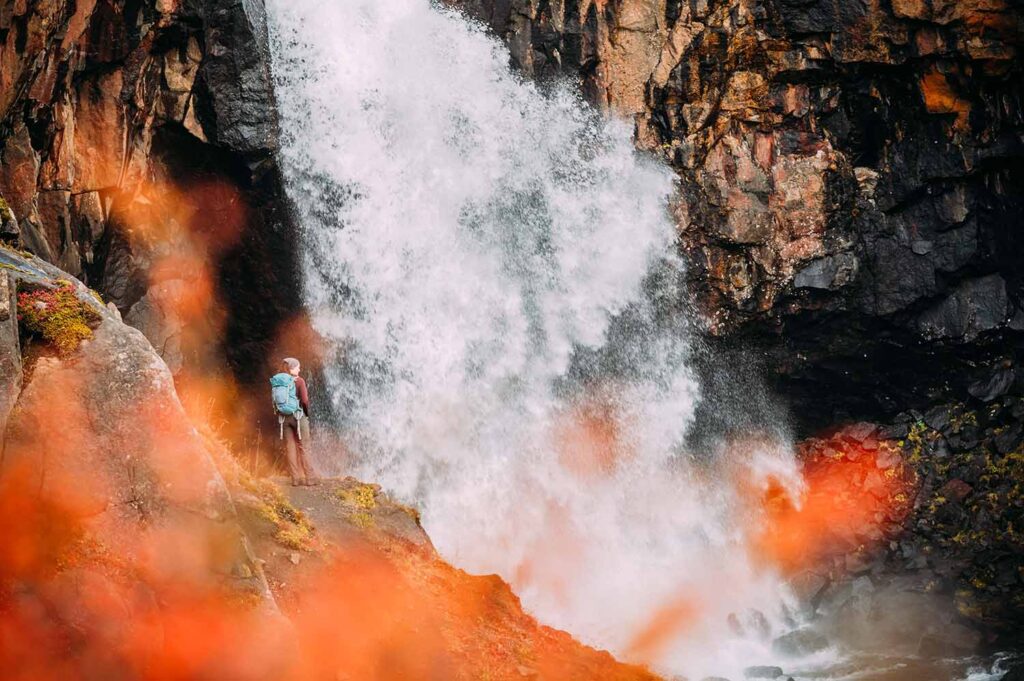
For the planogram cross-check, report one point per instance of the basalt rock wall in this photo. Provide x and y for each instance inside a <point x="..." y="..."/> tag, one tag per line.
<point x="851" y="175"/>
<point x="136" y="152"/>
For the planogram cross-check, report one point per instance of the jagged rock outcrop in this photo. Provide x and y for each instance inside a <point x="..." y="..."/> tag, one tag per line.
<point x="848" y="174"/>
<point x="394" y="609"/>
<point x="108" y="106"/>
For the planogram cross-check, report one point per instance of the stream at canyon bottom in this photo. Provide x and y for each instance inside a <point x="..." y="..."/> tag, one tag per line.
<point x="495" y="270"/>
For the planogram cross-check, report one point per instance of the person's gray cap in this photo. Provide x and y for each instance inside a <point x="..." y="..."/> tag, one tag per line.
<point x="291" y="362"/>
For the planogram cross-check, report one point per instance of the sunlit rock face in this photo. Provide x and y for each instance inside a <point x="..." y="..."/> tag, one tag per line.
<point x="847" y="171"/>
<point x="107" y="103"/>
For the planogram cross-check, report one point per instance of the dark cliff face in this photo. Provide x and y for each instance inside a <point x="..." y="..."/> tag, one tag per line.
<point x="133" y="131"/>
<point x="850" y="172"/>
<point x="851" y="175"/>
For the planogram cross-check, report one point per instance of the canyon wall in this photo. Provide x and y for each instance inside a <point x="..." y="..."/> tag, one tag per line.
<point x="137" y="153"/>
<point x="850" y="172"/>
<point x="851" y="175"/>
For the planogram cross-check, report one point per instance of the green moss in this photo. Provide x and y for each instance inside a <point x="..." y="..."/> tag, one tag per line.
<point x="58" y="316"/>
<point x="961" y="417"/>
<point x="988" y="519"/>
<point x="17" y="251"/>
<point x="6" y="213"/>
<point x="915" y="443"/>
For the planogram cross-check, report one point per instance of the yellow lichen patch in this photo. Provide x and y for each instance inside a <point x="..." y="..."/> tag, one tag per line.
<point x="362" y="520"/>
<point x="293" y="529"/>
<point x="296" y="536"/>
<point x="361" y="496"/>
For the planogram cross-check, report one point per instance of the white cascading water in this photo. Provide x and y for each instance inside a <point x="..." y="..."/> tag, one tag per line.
<point x="495" y="269"/>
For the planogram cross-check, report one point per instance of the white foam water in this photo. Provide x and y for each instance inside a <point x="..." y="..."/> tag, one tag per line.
<point x="494" y="267"/>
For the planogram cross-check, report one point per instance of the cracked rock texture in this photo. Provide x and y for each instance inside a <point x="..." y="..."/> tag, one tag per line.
<point x="850" y="174"/>
<point x="106" y="106"/>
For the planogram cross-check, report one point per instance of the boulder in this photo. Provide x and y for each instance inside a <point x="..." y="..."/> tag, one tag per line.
<point x="124" y="449"/>
<point x="809" y="587"/>
<point x="803" y="641"/>
<point x="955" y="491"/>
<point x="102" y="434"/>
<point x="828" y="273"/>
<point x="996" y="384"/>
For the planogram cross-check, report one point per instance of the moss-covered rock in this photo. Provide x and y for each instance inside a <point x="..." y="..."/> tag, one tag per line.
<point x="57" y="316"/>
<point x="270" y="509"/>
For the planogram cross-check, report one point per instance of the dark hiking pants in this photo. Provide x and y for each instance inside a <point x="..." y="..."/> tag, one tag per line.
<point x="295" y="448"/>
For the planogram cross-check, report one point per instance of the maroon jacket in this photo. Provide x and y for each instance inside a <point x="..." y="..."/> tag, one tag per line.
<point x="303" y="394"/>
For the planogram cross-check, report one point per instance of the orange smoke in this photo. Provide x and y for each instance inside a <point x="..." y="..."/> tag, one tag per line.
<point x="847" y="500"/>
<point x="590" y="438"/>
<point x="667" y="624"/>
<point x="72" y="609"/>
<point x="185" y="229"/>
<point x="120" y="560"/>
<point x="298" y="332"/>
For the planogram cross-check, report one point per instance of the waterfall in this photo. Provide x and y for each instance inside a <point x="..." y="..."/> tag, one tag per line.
<point x="494" y="267"/>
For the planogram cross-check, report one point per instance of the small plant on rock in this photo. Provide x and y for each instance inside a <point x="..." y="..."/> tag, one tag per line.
<point x="58" y="316"/>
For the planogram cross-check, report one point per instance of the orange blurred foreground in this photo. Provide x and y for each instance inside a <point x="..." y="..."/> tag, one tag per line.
<point x="73" y="608"/>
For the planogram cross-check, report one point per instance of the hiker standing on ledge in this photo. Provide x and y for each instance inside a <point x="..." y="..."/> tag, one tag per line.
<point x="291" y="402"/>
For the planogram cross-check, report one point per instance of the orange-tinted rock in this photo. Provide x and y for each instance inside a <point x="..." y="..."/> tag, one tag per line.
<point x="910" y="9"/>
<point x="941" y="98"/>
<point x="19" y="168"/>
<point x="58" y="169"/>
<point x="100" y="134"/>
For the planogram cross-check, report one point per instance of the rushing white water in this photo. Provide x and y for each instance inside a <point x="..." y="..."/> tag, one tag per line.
<point x="494" y="267"/>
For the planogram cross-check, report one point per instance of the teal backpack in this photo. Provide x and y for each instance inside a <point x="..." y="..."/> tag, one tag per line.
<point x="282" y="393"/>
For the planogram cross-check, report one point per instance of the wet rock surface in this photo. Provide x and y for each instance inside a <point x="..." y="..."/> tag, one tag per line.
<point x="939" y="536"/>
<point x="847" y="173"/>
